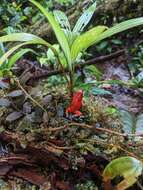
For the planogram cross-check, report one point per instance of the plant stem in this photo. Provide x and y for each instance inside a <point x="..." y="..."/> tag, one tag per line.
<point x="62" y="68"/>
<point x="28" y="95"/>
<point x="71" y="84"/>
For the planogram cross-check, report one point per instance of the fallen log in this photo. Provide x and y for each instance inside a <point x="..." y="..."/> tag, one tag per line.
<point x="48" y="154"/>
<point x="35" y="156"/>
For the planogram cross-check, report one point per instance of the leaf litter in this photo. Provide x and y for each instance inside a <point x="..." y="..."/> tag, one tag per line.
<point x="47" y="150"/>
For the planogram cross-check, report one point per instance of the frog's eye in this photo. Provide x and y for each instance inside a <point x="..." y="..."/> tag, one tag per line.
<point x="80" y="91"/>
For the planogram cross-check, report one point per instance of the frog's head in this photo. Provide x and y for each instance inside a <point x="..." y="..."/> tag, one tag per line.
<point x="79" y="94"/>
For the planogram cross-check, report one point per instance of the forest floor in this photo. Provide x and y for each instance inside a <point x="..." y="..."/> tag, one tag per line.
<point x="43" y="148"/>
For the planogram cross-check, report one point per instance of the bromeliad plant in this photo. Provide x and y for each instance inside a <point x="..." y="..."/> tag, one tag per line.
<point x="71" y="41"/>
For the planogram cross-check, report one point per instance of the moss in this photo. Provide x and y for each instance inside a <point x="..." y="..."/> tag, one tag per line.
<point x="88" y="185"/>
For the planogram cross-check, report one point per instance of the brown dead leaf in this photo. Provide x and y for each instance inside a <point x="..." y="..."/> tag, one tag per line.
<point x="14" y="116"/>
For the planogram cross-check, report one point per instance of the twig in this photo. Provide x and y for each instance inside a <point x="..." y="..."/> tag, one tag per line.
<point x="55" y="129"/>
<point x="61" y="148"/>
<point x="28" y="95"/>
<point x="102" y="58"/>
<point x="86" y="126"/>
<point x="104" y="130"/>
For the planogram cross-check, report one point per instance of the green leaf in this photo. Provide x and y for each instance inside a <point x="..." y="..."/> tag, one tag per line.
<point x="121" y="27"/>
<point x="98" y="33"/>
<point x="116" y="42"/>
<point x="62" y="20"/>
<point x="25" y="37"/>
<point x="94" y="70"/>
<point x="58" y="31"/>
<point x="50" y="54"/>
<point x="85" y="40"/>
<point x="2" y="50"/>
<point x="84" y="19"/>
<point x="102" y="46"/>
<point x="128" y="167"/>
<point x="128" y="121"/>
<point x="111" y="111"/>
<point x="8" y="53"/>
<point x="17" y="56"/>
<point x="65" y="25"/>
<point x="12" y="50"/>
<point x="51" y="57"/>
<point x="100" y="91"/>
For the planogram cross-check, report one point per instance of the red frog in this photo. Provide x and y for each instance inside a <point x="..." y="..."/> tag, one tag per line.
<point x="76" y="104"/>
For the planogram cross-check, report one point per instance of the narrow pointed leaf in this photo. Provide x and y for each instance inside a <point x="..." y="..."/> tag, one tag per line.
<point x="84" y="19"/>
<point x="24" y="37"/>
<point x="8" y="53"/>
<point x="85" y="40"/>
<point x="121" y="27"/>
<point x="2" y="50"/>
<point x="12" y="50"/>
<point x="62" y="19"/>
<point x="17" y="56"/>
<point x="57" y="30"/>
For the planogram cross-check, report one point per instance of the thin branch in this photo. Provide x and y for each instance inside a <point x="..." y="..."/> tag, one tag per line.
<point x="102" y="58"/>
<point x="28" y="95"/>
<point x="104" y="130"/>
<point x="60" y="147"/>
